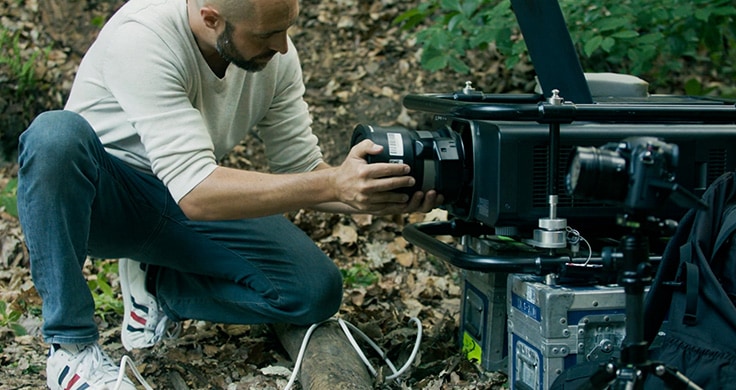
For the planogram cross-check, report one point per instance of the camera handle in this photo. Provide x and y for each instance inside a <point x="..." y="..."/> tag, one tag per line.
<point x="634" y="365"/>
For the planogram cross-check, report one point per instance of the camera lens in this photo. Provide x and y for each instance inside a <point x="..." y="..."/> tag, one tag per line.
<point x="435" y="157"/>
<point x="597" y="174"/>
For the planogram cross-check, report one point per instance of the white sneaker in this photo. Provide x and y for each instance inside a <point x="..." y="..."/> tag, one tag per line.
<point x="144" y="323"/>
<point x="86" y="366"/>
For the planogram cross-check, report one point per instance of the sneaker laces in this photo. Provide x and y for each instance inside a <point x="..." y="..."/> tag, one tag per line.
<point x="100" y="360"/>
<point x="165" y="329"/>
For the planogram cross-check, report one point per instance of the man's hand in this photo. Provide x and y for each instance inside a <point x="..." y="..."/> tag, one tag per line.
<point x="422" y="203"/>
<point x="372" y="188"/>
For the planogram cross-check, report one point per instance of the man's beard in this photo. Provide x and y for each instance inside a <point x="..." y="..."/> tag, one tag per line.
<point x="227" y="51"/>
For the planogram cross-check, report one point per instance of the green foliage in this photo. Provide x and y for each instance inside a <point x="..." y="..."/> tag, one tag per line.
<point x="359" y="275"/>
<point x="19" y="88"/>
<point x="9" y="319"/>
<point x="20" y="71"/>
<point x="9" y="197"/>
<point x="106" y="299"/>
<point x="653" y="39"/>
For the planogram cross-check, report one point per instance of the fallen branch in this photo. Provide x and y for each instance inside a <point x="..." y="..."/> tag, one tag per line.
<point x="329" y="361"/>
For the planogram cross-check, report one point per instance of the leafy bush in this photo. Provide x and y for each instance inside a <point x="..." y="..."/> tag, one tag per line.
<point x="21" y="93"/>
<point x="657" y="40"/>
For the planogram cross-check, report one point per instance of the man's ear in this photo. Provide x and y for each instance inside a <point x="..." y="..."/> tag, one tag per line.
<point x="211" y="17"/>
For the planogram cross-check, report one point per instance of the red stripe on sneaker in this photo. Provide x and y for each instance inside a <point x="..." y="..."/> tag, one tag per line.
<point x="72" y="381"/>
<point x="137" y="318"/>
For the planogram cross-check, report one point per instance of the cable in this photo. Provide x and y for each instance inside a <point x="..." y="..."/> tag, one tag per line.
<point x="574" y="237"/>
<point x="346" y="327"/>
<point x="121" y="373"/>
<point x="300" y="355"/>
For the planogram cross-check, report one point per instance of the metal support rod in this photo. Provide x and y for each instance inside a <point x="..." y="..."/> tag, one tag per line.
<point x="711" y="112"/>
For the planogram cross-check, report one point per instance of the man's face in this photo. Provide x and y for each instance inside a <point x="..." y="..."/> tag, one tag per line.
<point x="226" y="48"/>
<point x="252" y="43"/>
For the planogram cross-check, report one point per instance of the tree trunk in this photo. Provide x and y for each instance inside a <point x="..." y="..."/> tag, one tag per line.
<point x="330" y="361"/>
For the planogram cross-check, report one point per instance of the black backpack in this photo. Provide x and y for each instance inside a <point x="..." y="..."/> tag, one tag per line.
<point x="690" y="305"/>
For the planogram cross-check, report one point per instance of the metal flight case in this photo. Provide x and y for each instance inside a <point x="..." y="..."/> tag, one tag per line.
<point x="552" y="328"/>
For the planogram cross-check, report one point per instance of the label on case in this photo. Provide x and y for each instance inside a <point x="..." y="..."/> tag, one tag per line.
<point x="528" y="365"/>
<point x="527" y="308"/>
<point x="472" y="350"/>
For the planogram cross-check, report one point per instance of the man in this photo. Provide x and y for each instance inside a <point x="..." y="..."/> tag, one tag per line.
<point x="129" y="170"/>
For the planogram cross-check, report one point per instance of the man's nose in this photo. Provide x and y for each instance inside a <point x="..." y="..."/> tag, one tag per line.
<point x="279" y="43"/>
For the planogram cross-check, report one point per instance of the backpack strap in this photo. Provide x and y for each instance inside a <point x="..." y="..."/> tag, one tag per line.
<point x="728" y="227"/>
<point x="692" y="288"/>
<point x="688" y="281"/>
<point x="689" y="273"/>
<point x="658" y="299"/>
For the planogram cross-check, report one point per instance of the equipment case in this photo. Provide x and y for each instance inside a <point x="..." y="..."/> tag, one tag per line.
<point x="552" y="328"/>
<point x="483" y="324"/>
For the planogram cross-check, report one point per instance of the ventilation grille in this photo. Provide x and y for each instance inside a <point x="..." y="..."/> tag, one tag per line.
<point x="717" y="163"/>
<point x="539" y="172"/>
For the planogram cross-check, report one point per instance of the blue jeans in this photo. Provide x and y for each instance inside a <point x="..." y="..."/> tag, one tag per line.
<point x="76" y="200"/>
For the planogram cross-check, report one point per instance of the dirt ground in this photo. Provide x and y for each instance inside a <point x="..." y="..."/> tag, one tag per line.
<point x="357" y="68"/>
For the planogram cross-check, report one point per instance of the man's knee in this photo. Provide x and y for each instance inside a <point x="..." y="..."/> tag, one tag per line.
<point x="56" y="132"/>
<point x="317" y="301"/>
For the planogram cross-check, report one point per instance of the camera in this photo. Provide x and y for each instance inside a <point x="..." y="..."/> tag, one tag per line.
<point x="495" y="163"/>
<point x="638" y="172"/>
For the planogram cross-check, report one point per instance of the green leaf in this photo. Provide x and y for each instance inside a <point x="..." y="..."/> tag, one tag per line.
<point x="725" y="11"/>
<point x="650" y="38"/>
<point x="693" y="87"/>
<point x="607" y="44"/>
<point x="451" y="5"/>
<point x="592" y="45"/>
<point x="457" y="19"/>
<point x="702" y="15"/>
<point x="18" y="329"/>
<point x="625" y="34"/>
<point x="469" y="7"/>
<point x="435" y="63"/>
<point x="410" y="19"/>
<point x="612" y="23"/>
<point x="9" y="197"/>
<point x="458" y="65"/>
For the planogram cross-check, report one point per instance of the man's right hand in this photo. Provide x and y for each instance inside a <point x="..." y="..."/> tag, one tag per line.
<point x="371" y="187"/>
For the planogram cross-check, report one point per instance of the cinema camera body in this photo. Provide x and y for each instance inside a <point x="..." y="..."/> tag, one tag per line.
<point x="512" y="167"/>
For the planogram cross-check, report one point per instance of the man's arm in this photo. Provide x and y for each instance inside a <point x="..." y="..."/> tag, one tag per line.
<point x="232" y="193"/>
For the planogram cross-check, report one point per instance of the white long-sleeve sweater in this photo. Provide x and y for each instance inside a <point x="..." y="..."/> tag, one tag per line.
<point x="146" y="89"/>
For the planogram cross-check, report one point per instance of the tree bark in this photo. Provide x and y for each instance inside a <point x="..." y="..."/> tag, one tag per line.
<point x="329" y="362"/>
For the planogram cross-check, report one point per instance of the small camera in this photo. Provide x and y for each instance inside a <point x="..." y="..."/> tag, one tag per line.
<point x="637" y="172"/>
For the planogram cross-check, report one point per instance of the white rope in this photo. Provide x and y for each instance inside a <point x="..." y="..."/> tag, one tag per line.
<point x="346" y="327"/>
<point x="121" y="373"/>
